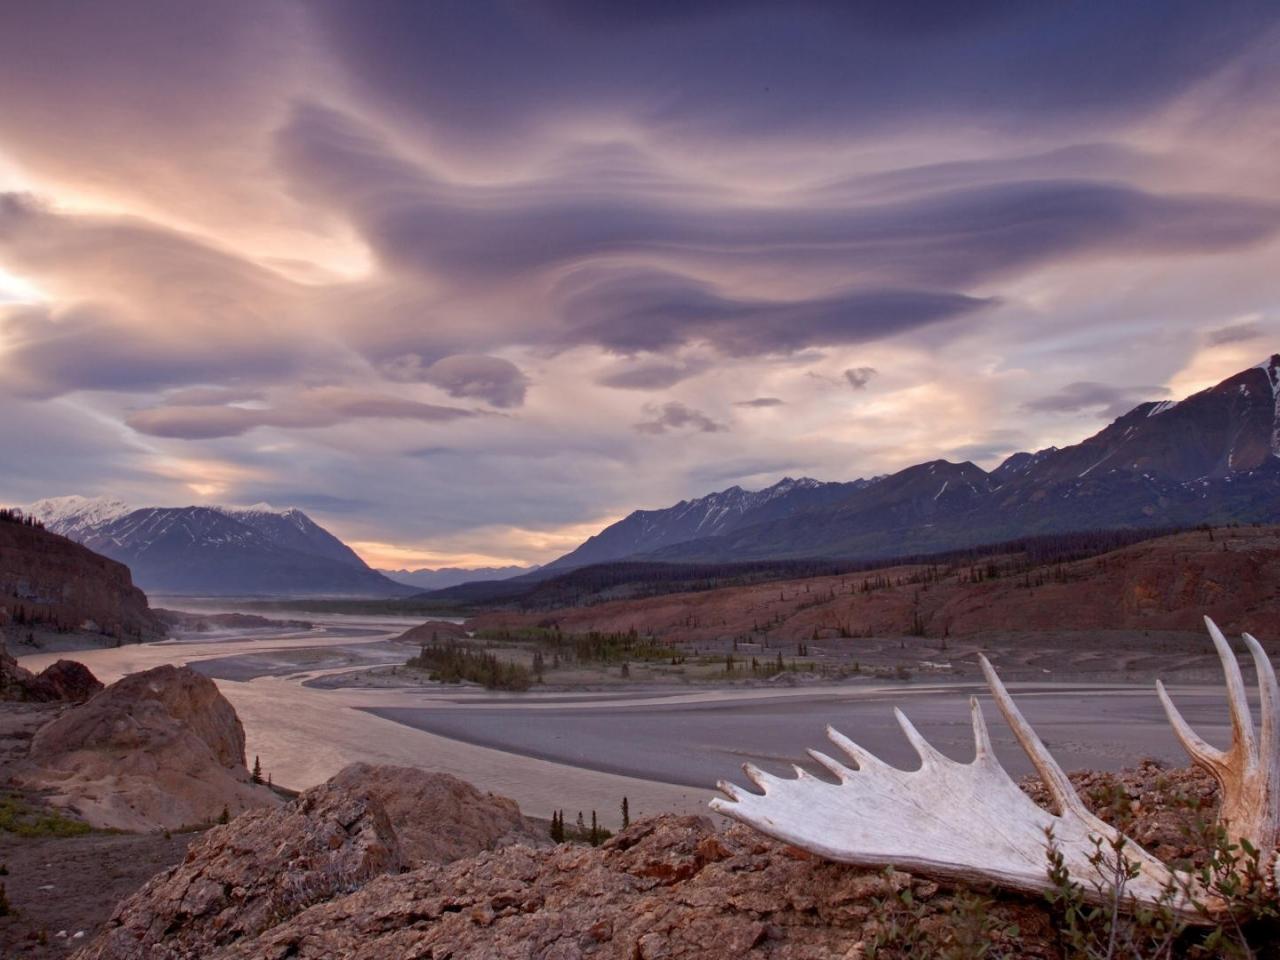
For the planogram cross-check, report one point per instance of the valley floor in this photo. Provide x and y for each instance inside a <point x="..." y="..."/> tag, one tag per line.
<point x="586" y="739"/>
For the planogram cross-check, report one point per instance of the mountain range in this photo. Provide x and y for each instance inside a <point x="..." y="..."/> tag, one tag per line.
<point x="217" y="551"/>
<point x="1213" y="457"/>
<point x="438" y="579"/>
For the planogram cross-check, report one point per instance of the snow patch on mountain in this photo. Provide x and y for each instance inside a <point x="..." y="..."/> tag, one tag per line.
<point x="1271" y="367"/>
<point x="74" y="516"/>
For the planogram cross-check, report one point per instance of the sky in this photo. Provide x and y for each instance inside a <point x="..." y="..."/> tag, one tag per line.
<point x="467" y="281"/>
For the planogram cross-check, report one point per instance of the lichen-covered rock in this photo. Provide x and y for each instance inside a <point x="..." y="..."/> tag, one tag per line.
<point x="159" y="749"/>
<point x="252" y="874"/>
<point x="438" y="817"/>
<point x="667" y="887"/>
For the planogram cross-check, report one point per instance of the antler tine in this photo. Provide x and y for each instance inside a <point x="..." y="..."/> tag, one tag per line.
<point x="841" y="772"/>
<point x="981" y="738"/>
<point x="1242" y="736"/>
<point x="1055" y="779"/>
<point x="929" y="755"/>
<point x="1200" y="750"/>
<point x="865" y="759"/>
<point x="1268" y="703"/>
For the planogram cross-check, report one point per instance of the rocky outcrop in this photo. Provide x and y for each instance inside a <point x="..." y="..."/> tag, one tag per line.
<point x="668" y="887"/>
<point x="63" y="680"/>
<point x="438" y="817"/>
<point x="156" y="750"/>
<point x="69" y="680"/>
<point x="50" y="582"/>
<point x="253" y="874"/>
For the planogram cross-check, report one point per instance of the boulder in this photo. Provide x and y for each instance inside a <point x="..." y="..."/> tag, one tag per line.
<point x="64" y="680"/>
<point x="70" y="680"/>
<point x="159" y="749"/>
<point x="251" y="874"/>
<point x="438" y="817"/>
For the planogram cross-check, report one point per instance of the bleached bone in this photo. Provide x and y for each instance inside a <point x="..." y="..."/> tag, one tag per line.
<point x="969" y="822"/>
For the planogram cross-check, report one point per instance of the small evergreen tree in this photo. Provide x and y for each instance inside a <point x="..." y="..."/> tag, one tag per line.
<point x="256" y="776"/>
<point x="595" y="830"/>
<point x="626" y="813"/>
<point x="224" y="816"/>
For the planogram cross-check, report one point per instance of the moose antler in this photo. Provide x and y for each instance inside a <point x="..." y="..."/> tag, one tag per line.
<point x="970" y="822"/>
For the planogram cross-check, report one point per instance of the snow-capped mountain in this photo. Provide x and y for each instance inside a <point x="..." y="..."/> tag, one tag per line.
<point x="73" y="516"/>
<point x="1213" y="457"/>
<point x="213" y="550"/>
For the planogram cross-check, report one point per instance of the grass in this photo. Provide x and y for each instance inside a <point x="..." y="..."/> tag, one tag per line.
<point x="21" y="818"/>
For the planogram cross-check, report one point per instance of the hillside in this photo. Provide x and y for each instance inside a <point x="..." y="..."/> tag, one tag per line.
<point x="1168" y="584"/>
<point x="204" y="550"/>
<point x="1212" y="458"/>
<point x="50" y="583"/>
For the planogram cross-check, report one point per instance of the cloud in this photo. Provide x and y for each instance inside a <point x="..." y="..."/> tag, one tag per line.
<point x="321" y="407"/>
<point x="653" y="374"/>
<point x="740" y="73"/>
<point x="643" y="310"/>
<point x="676" y="416"/>
<point x="418" y="221"/>
<point x="492" y="379"/>
<point x="141" y="306"/>
<point x="211" y="396"/>
<point x="859" y="377"/>
<point x="1236" y="333"/>
<point x="760" y="402"/>
<point x="1086" y="395"/>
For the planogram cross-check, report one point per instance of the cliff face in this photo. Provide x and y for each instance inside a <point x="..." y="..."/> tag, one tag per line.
<point x="51" y="582"/>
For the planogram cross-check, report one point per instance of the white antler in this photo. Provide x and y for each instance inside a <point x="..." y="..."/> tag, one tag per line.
<point x="1248" y="772"/>
<point x="970" y="821"/>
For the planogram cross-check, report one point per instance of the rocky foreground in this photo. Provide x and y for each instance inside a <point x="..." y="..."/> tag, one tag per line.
<point x="329" y="877"/>
<point x="390" y="862"/>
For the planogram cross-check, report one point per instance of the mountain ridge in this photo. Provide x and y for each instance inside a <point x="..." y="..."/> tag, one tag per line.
<point x="1212" y="457"/>
<point x="216" y="550"/>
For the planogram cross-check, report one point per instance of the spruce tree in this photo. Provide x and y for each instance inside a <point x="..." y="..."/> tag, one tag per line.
<point x="626" y="813"/>
<point x="256" y="776"/>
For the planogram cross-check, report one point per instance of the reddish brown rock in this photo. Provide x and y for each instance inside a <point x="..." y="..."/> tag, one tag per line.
<point x="668" y="887"/>
<point x="48" y="581"/>
<point x="64" y="680"/>
<point x="650" y="892"/>
<point x="70" y="680"/>
<point x="160" y="749"/>
<point x="252" y="874"/>
<point x="438" y="817"/>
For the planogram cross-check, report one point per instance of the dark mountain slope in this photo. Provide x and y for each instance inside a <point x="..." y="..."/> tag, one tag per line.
<point x="1211" y="458"/>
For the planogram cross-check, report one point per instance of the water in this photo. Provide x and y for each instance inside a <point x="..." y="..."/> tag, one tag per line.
<point x="663" y="749"/>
